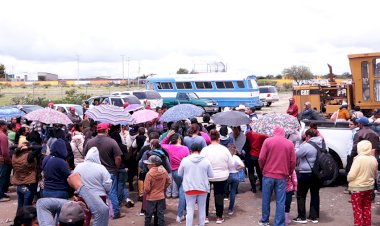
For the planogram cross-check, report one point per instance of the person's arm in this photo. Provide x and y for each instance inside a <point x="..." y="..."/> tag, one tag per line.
<point x="47" y="209"/>
<point x="117" y="153"/>
<point x="147" y="184"/>
<point x="107" y="181"/>
<point x="263" y="156"/>
<point x="353" y="171"/>
<point x="180" y="169"/>
<point x="118" y="161"/>
<point x="167" y="181"/>
<point x="95" y="204"/>
<point x="4" y="148"/>
<point x="210" y="172"/>
<point x="292" y="161"/>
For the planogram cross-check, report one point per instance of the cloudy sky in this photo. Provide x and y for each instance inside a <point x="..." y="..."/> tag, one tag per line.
<point x="160" y="36"/>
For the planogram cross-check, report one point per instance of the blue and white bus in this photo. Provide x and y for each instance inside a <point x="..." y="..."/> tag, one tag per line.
<point x="229" y="90"/>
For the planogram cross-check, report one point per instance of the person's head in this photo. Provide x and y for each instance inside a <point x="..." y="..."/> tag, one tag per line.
<point x="61" y="109"/>
<point x="311" y="133"/>
<point x="307" y="105"/>
<point x="164" y="108"/>
<point x="194" y="129"/>
<point x="357" y="108"/>
<point x="251" y="110"/>
<point x="96" y="102"/>
<point x="352" y="124"/>
<point x="194" y="121"/>
<point x="223" y="130"/>
<point x="241" y="108"/>
<point x="232" y="148"/>
<point x="291" y="100"/>
<point x="364" y="147"/>
<point x="236" y="130"/>
<point x="152" y="161"/>
<point x="86" y="103"/>
<point x="72" y="214"/>
<point x="12" y="127"/>
<point x="206" y="118"/>
<point x="26" y="216"/>
<point x="159" y="110"/>
<point x="102" y="128"/>
<point x="363" y="121"/>
<point x="313" y="125"/>
<point x="141" y="131"/>
<point x="14" y="120"/>
<point x="72" y="110"/>
<point x="175" y="139"/>
<point x="195" y="148"/>
<point x="214" y="135"/>
<point x="153" y="135"/>
<point x="154" y="143"/>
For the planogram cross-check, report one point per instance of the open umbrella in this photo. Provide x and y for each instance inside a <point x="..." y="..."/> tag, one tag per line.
<point x="145" y="115"/>
<point x="110" y="114"/>
<point x="231" y="118"/>
<point x="48" y="116"/>
<point x="181" y="112"/>
<point x="6" y="113"/>
<point x="267" y="123"/>
<point x="133" y="107"/>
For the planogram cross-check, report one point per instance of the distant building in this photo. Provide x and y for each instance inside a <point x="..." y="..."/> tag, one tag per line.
<point x="45" y="76"/>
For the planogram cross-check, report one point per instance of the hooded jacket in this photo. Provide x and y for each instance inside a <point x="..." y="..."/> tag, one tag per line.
<point x="293" y="108"/>
<point x="195" y="171"/>
<point x="156" y="182"/>
<point x="55" y="168"/>
<point x="277" y="158"/>
<point x="363" y="170"/>
<point x="93" y="174"/>
<point x="306" y="154"/>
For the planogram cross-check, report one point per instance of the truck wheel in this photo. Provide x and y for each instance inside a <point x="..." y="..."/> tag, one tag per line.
<point x="269" y="103"/>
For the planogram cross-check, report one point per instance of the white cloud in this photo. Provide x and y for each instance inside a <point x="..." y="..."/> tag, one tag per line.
<point x="256" y="37"/>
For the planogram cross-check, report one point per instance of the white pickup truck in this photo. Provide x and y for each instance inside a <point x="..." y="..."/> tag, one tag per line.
<point x="337" y="137"/>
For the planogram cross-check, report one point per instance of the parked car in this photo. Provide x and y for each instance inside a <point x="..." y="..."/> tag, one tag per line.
<point x="27" y="108"/>
<point x="151" y="96"/>
<point x="66" y="107"/>
<point x="117" y="100"/>
<point x="208" y="105"/>
<point x="268" y="95"/>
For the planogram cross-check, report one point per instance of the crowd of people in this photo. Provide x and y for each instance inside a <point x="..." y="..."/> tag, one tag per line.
<point x="84" y="172"/>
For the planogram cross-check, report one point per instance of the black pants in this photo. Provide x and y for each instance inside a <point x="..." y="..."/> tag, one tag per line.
<point x="252" y="163"/>
<point x="288" y="201"/>
<point x="218" y="196"/>
<point x="308" y="181"/>
<point x="157" y="208"/>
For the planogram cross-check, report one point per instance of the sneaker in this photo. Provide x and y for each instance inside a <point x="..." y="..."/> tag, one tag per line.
<point x="225" y="199"/>
<point x="314" y="221"/>
<point x="5" y="199"/>
<point x="300" y="220"/>
<point x="180" y="219"/>
<point x="219" y="220"/>
<point x="207" y="220"/>
<point x="121" y="215"/>
<point x="141" y="214"/>
<point x="230" y="212"/>
<point x="263" y="223"/>
<point x="253" y="190"/>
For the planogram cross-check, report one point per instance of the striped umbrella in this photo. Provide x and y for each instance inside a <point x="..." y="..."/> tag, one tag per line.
<point x="145" y="115"/>
<point x="110" y="114"/>
<point x="181" y="112"/>
<point x="48" y="116"/>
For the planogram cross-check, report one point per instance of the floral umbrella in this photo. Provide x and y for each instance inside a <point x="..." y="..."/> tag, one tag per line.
<point x="48" y="116"/>
<point x="145" y="115"/>
<point x="267" y="123"/>
<point x="181" y="112"/>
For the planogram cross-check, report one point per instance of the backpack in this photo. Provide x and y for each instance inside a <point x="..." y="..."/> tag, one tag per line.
<point x="163" y="157"/>
<point x="325" y="167"/>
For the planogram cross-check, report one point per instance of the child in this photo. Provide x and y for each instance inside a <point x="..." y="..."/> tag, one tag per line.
<point x="155" y="184"/>
<point x="291" y="187"/>
<point x="233" y="178"/>
<point x="361" y="180"/>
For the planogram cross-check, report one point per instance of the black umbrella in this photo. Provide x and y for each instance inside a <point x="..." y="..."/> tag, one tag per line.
<point x="231" y="118"/>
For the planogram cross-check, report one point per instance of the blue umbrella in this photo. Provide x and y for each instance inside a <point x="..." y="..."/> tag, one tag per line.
<point x="181" y="112"/>
<point x="6" y="113"/>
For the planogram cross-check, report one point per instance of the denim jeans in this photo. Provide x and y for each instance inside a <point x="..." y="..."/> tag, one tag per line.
<point x="182" y="200"/>
<point x="279" y="188"/>
<point x="158" y="209"/>
<point x="190" y="204"/>
<point x="112" y="195"/>
<point x="55" y="194"/>
<point x="25" y="194"/>
<point x="5" y="174"/>
<point x="172" y="190"/>
<point x="218" y="198"/>
<point x="122" y="191"/>
<point x="233" y="180"/>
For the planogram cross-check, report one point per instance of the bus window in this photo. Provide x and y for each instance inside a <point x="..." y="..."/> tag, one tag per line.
<point x="365" y="81"/>
<point x="224" y="85"/>
<point x="376" y="67"/>
<point x="240" y="84"/>
<point x="183" y="85"/>
<point x="377" y="90"/>
<point x="203" y="85"/>
<point x="164" y="85"/>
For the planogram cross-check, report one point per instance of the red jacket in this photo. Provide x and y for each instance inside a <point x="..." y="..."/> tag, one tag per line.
<point x="277" y="157"/>
<point x="256" y="141"/>
<point x="293" y="109"/>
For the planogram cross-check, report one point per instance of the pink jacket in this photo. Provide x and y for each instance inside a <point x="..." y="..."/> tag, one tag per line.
<point x="206" y="137"/>
<point x="176" y="153"/>
<point x="291" y="182"/>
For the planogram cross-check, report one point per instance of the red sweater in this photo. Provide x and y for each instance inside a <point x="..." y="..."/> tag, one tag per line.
<point x="256" y="141"/>
<point x="277" y="157"/>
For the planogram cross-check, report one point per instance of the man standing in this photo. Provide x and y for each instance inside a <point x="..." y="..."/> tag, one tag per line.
<point x="5" y="162"/>
<point x="293" y="108"/>
<point x="73" y="116"/>
<point x="110" y="157"/>
<point x="277" y="160"/>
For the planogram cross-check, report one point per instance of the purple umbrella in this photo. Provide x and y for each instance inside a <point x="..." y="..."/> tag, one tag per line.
<point x="133" y="107"/>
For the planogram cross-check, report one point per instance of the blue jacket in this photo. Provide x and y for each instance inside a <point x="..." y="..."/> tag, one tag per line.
<point x="55" y="168"/>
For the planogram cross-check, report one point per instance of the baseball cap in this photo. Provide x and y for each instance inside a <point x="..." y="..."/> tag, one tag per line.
<point x="154" y="159"/>
<point x="363" y="120"/>
<point x="102" y="126"/>
<point x="71" y="212"/>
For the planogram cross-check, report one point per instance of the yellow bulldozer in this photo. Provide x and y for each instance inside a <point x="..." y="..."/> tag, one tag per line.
<point x="363" y="91"/>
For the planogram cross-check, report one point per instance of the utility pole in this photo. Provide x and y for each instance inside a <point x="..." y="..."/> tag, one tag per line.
<point x="128" y="72"/>
<point x="122" y="65"/>
<point x="77" y="67"/>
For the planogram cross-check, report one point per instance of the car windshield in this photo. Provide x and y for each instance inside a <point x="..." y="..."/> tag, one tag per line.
<point x="150" y="95"/>
<point x="270" y="89"/>
<point x="79" y="110"/>
<point x="140" y="95"/>
<point x="193" y="96"/>
<point x="29" y="109"/>
<point x="131" y="100"/>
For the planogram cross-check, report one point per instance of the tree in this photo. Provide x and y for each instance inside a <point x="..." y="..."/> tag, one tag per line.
<point x="2" y="71"/>
<point x="183" y="71"/>
<point x="346" y="75"/>
<point x="297" y="73"/>
<point x="278" y="77"/>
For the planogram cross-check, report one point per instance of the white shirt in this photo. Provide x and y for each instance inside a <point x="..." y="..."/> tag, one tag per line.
<point x="236" y="164"/>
